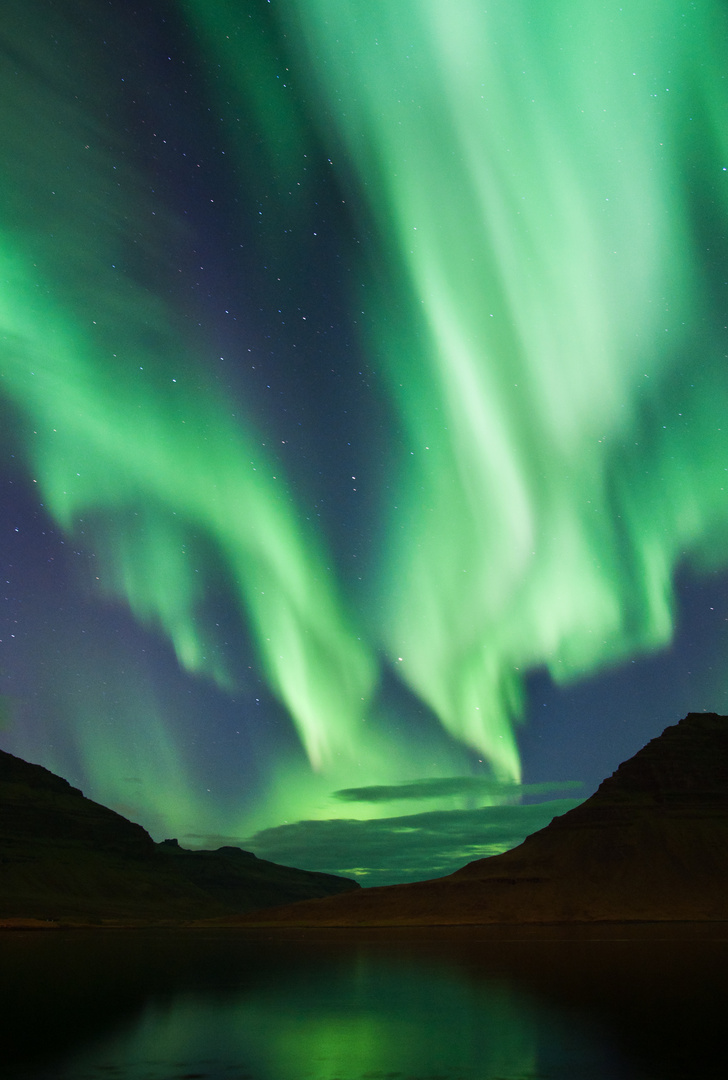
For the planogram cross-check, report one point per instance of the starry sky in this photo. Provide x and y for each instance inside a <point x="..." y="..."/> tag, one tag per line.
<point x="363" y="383"/>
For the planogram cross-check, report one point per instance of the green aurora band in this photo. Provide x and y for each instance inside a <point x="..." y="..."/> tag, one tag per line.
<point x="562" y="397"/>
<point x="540" y="180"/>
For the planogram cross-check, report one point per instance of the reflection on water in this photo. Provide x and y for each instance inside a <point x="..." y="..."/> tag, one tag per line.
<point x="468" y="1004"/>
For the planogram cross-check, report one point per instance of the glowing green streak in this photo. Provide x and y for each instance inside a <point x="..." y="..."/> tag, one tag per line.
<point x="529" y="183"/>
<point x="166" y="447"/>
<point x="541" y="317"/>
<point x="135" y="766"/>
<point x="137" y="457"/>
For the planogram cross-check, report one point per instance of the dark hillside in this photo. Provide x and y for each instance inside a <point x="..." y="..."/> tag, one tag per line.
<point x="66" y="858"/>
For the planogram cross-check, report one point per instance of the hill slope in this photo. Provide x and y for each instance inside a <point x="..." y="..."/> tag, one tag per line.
<point x="64" y="857"/>
<point x="650" y="844"/>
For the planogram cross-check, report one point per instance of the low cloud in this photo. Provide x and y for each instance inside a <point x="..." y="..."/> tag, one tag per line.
<point x="410" y="847"/>
<point x="442" y="787"/>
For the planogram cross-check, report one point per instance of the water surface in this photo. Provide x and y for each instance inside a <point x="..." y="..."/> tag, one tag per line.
<point x="616" y="1003"/>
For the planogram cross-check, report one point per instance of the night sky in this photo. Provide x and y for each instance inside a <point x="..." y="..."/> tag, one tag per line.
<point x="363" y="400"/>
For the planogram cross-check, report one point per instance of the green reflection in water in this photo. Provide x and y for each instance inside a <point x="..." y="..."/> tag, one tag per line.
<point x="365" y="1018"/>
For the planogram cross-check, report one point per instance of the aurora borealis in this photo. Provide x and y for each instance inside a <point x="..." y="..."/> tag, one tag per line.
<point x="363" y="375"/>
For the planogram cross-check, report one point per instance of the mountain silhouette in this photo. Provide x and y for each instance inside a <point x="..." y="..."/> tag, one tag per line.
<point x="650" y="844"/>
<point x="65" y="858"/>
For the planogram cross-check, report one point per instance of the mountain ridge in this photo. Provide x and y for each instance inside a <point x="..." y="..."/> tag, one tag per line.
<point x="65" y="858"/>
<point x="651" y="844"/>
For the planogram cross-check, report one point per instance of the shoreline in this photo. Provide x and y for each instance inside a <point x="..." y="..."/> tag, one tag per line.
<point x="593" y="930"/>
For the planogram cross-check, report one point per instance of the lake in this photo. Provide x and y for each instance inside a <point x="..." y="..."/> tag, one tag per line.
<point x="470" y="1003"/>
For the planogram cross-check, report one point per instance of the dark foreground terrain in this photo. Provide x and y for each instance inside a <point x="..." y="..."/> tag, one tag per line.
<point x="64" y="858"/>
<point x="651" y="844"/>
